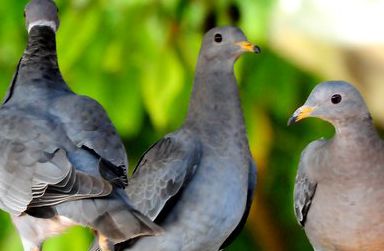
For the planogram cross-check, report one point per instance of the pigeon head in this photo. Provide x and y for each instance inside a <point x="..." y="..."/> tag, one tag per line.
<point x="337" y="102"/>
<point x="41" y="13"/>
<point x="225" y="43"/>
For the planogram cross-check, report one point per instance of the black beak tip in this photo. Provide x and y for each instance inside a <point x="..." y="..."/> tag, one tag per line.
<point x="291" y="120"/>
<point x="257" y="49"/>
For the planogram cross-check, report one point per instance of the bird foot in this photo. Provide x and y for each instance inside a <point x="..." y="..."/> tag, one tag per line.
<point x="104" y="243"/>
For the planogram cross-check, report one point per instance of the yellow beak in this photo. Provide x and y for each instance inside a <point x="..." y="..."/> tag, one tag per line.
<point x="247" y="46"/>
<point x="301" y="113"/>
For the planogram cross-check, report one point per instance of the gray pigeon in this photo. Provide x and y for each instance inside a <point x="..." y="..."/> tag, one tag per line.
<point x="62" y="162"/>
<point x="198" y="181"/>
<point x="339" y="190"/>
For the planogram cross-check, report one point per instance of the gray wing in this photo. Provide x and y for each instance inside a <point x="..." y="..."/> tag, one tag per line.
<point x="89" y="127"/>
<point x="162" y="172"/>
<point x="250" y="192"/>
<point x="304" y="191"/>
<point x="36" y="173"/>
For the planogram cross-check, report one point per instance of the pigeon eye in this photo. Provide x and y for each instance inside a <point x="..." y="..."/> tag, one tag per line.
<point x="218" y="38"/>
<point x="336" y="98"/>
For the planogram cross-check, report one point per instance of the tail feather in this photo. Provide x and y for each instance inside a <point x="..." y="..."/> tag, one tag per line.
<point x="110" y="216"/>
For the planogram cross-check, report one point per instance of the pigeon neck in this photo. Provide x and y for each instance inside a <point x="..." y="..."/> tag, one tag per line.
<point x="38" y="70"/>
<point x="39" y="59"/>
<point x="214" y="104"/>
<point x="356" y="131"/>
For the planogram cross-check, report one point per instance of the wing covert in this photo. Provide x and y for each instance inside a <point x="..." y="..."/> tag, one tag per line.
<point x="163" y="171"/>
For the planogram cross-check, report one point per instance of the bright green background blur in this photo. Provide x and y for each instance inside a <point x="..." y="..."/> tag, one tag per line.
<point x="137" y="57"/>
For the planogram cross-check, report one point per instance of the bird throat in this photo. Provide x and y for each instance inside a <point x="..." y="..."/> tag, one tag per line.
<point x="215" y="104"/>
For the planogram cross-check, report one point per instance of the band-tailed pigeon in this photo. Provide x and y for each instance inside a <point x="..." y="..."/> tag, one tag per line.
<point x="198" y="181"/>
<point x="339" y="190"/>
<point x="62" y="162"/>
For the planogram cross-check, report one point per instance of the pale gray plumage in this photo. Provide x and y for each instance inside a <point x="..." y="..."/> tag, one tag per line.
<point x="62" y="162"/>
<point x="198" y="182"/>
<point x="339" y="190"/>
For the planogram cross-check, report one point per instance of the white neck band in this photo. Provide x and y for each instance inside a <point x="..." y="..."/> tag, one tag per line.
<point x="51" y="24"/>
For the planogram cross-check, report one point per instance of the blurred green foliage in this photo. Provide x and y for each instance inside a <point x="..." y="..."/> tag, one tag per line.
<point x="137" y="57"/>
